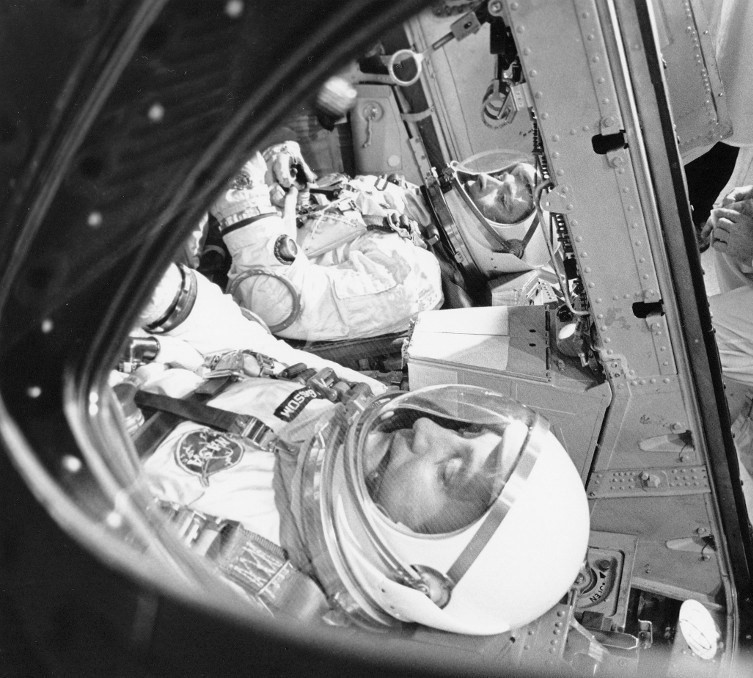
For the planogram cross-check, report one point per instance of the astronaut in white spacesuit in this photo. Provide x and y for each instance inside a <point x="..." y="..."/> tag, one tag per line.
<point x="440" y="499"/>
<point x="348" y="267"/>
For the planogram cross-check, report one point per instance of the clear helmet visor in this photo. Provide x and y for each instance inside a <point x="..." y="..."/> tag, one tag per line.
<point x="434" y="461"/>
<point x="500" y="184"/>
<point x="420" y="507"/>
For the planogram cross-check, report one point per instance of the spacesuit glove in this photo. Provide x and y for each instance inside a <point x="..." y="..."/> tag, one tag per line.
<point x="732" y="232"/>
<point x="178" y="353"/>
<point x="286" y="166"/>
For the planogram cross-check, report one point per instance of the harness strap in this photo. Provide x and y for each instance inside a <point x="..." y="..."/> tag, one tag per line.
<point x="251" y="428"/>
<point x="260" y="567"/>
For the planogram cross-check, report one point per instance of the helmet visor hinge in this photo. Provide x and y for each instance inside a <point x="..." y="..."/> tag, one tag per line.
<point x="435" y="585"/>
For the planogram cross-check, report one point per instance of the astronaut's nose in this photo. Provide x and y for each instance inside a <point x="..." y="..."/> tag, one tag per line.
<point x="427" y="437"/>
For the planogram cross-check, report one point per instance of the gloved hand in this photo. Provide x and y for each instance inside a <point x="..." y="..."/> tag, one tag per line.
<point x="286" y="166"/>
<point x="178" y="353"/>
<point x="731" y="230"/>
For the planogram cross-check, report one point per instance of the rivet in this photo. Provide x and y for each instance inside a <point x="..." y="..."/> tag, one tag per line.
<point x="94" y="220"/>
<point x="156" y="113"/>
<point x="234" y="8"/>
<point x="33" y="391"/>
<point x="47" y="326"/>
<point x="114" y="520"/>
<point x="71" y="464"/>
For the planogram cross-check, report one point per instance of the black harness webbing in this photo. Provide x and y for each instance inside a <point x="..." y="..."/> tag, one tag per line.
<point x="260" y="567"/>
<point x="191" y="409"/>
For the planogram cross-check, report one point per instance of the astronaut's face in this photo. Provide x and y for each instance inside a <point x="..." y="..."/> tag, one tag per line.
<point x="436" y="479"/>
<point x="505" y="197"/>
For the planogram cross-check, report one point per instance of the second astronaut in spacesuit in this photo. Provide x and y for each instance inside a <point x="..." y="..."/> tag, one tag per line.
<point x="350" y="271"/>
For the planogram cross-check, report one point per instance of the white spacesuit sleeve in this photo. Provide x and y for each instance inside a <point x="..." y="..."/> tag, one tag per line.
<point x="216" y="323"/>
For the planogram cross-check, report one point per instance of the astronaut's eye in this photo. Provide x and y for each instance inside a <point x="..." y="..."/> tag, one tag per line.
<point x="471" y="431"/>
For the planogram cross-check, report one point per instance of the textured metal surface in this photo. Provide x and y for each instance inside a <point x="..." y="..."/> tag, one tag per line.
<point x="657" y="481"/>
<point x="699" y="106"/>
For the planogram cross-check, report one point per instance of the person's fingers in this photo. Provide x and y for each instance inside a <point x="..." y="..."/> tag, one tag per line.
<point x="719" y="245"/>
<point x="738" y="194"/>
<point x="281" y="169"/>
<point x="744" y="207"/>
<point x="708" y="227"/>
<point x="730" y="214"/>
<point x="308" y="175"/>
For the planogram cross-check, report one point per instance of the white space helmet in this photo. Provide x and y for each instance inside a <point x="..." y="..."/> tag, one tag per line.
<point x="492" y="247"/>
<point x="511" y="564"/>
